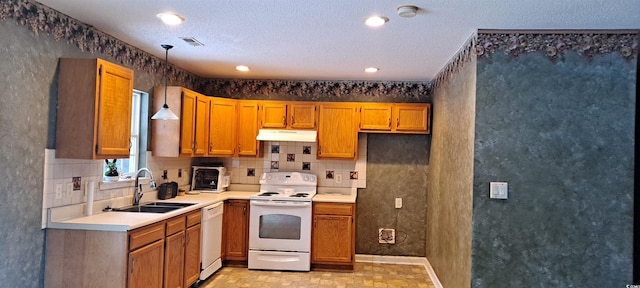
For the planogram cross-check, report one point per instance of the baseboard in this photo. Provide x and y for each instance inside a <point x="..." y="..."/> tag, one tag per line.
<point x="402" y="260"/>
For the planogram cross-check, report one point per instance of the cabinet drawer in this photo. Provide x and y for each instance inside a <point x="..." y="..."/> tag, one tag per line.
<point x="333" y="208"/>
<point x="175" y="225"/>
<point x="146" y="235"/>
<point x="194" y="218"/>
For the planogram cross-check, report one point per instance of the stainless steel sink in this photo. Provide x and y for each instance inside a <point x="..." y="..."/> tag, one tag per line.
<point x="168" y="204"/>
<point x="154" y="207"/>
<point x="148" y="209"/>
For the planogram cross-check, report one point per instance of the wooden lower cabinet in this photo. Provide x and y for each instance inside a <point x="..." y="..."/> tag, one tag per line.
<point x="192" y="248"/>
<point x="145" y="266"/>
<point x="236" y="231"/>
<point x="163" y="254"/>
<point x="146" y="256"/>
<point x="333" y="236"/>
<point x="174" y="252"/>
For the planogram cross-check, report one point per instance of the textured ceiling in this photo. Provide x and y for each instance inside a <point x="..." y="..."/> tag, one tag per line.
<point x="327" y="40"/>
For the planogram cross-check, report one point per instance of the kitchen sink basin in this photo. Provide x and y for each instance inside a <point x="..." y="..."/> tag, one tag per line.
<point x="154" y="207"/>
<point x="168" y="204"/>
<point x="148" y="209"/>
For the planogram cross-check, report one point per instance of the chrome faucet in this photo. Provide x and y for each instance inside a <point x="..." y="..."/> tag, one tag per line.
<point x="137" y="193"/>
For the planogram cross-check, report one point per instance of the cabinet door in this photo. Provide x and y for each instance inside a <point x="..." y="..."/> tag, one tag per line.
<point x="332" y="239"/>
<point x="302" y="116"/>
<point x="375" y="117"/>
<point x="192" y="255"/>
<point x="201" y="129"/>
<point x="248" y="128"/>
<point x="174" y="260"/>
<point x="236" y="229"/>
<point x="145" y="266"/>
<point x="337" y="134"/>
<point x="274" y="115"/>
<point x="222" y="127"/>
<point x="412" y="117"/>
<point x="187" y="122"/>
<point x="114" y="114"/>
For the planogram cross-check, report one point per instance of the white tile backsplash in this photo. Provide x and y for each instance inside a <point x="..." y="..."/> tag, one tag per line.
<point x="238" y="166"/>
<point x="61" y="171"/>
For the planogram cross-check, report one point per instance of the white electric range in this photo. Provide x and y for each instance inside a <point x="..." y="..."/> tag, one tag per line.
<point x="280" y="222"/>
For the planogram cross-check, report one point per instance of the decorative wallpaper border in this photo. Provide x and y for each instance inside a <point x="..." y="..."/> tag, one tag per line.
<point x="317" y="89"/>
<point x="466" y="54"/>
<point x="554" y="45"/>
<point x="42" y="19"/>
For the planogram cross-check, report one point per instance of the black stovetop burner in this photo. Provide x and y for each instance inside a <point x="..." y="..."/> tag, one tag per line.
<point x="268" y="193"/>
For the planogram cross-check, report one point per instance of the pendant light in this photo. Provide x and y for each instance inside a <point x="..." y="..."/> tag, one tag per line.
<point x="165" y="113"/>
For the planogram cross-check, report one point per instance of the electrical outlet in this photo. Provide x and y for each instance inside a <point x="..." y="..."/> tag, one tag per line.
<point x="338" y="178"/>
<point x="386" y="236"/>
<point x="179" y="173"/>
<point x="59" y="191"/>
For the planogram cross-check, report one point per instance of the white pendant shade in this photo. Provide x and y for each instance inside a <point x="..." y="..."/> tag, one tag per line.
<point x="164" y="114"/>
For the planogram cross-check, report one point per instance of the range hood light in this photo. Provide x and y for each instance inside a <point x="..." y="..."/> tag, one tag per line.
<point x="287" y="135"/>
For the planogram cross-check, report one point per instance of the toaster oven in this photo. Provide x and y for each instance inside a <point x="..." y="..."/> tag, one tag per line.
<point x="209" y="179"/>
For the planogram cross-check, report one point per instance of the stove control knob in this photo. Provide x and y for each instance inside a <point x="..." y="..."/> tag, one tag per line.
<point x="305" y="178"/>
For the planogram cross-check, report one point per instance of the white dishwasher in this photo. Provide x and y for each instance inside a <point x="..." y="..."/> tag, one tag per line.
<point x="211" y="240"/>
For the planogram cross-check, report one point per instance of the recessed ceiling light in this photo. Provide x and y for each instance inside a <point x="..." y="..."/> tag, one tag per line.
<point x="371" y="70"/>
<point x="242" y="68"/>
<point x="376" y="21"/>
<point x="170" y="18"/>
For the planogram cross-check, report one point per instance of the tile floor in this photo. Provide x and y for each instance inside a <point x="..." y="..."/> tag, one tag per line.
<point x="364" y="275"/>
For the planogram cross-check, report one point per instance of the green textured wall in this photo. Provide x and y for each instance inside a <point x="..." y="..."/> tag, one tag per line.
<point x="562" y="135"/>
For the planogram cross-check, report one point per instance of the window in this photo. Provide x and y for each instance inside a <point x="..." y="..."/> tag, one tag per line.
<point x="128" y="166"/>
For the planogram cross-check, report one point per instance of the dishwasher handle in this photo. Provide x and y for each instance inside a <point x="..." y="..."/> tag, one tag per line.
<point x="212" y="211"/>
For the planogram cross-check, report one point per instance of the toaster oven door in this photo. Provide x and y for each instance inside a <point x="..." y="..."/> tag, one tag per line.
<point x="206" y="179"/>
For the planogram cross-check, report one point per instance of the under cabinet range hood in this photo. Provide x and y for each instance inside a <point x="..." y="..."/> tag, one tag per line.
<point x="287" y="135"/>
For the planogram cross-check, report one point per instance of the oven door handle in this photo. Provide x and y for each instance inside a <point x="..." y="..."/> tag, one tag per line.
<point x="290" y="204"/>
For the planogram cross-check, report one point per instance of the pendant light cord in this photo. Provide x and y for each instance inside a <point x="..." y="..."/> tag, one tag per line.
<point x="166" y="72"/>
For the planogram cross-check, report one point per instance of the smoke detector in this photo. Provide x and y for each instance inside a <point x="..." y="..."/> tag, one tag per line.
<point x="407" y="11"/>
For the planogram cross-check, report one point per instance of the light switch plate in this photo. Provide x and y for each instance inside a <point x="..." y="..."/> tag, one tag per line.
<point x="499" y="190"/>
<point x="398" y="203"/>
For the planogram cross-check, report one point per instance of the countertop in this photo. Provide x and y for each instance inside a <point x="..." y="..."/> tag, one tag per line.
<point x="125" y="221"/>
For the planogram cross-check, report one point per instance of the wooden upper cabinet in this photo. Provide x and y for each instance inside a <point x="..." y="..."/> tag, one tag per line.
<point x="187" y="122"/>
<point x="288" y="115"/>
<point x="302" y="116"/>
<point x="201" y="134"/>
<point x="274" y="114"/>
<point x="412" y="117"/>
<point x="187" y="136"/>
<point x="337" y="131"/>
<point x="248" y="128"/>
<point x="94" y="109"/>
<point x="222" y="127"/>
<point x="375" y="117"/>
<point x="395" y="118"/>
